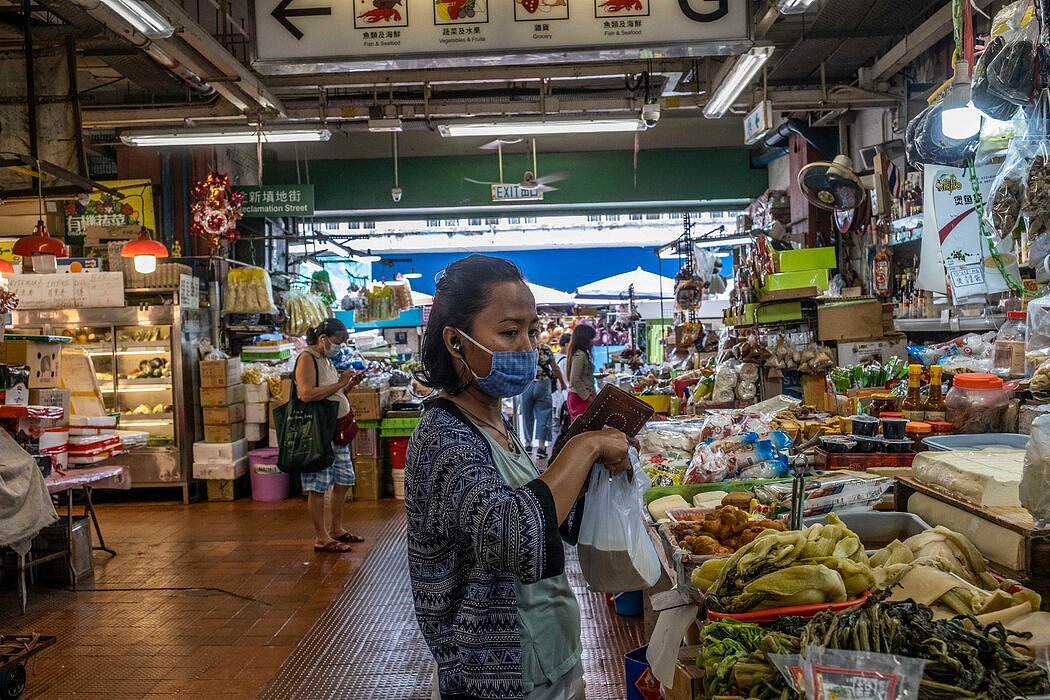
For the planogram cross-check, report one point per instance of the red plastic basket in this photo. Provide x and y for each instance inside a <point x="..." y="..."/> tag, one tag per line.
<point x="398" y="451"/>
<point x="773" y="614"/>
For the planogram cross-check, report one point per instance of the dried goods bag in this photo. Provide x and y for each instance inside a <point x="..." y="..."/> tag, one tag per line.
<point x="616" y="554"/>
<point x="1035" y="480"/>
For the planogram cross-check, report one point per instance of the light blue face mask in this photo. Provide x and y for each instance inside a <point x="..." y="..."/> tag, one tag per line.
<point x="511" y="374"/>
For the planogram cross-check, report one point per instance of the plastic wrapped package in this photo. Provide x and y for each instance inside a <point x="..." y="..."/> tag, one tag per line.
<point x="1037" y="335"/>
<point x="842" y="674"/>
<point x="304" y="311"/>
<point x="1034" y="490"/>
<point x="726" y="378"/>
<point x="248" y="291"/>
<point x="665" y="468"/>
<point x="670" y="435"/>
<point x="706" y="466"/>
<point x="1011" y="70"/>
<point x="616" y="554"/>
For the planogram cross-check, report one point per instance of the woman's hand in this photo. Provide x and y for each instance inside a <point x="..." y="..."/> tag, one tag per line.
<point x="352" y="378"/>
<point x="610" y="447"/>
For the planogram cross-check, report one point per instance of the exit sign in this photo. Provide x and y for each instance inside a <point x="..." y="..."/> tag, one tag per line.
<point x="508" y="192"/>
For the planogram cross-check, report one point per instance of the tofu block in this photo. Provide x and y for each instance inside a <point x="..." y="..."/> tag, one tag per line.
<point x="983" y="477"/>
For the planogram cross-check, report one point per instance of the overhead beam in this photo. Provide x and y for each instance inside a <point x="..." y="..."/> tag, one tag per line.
<point x="925" y="36"/>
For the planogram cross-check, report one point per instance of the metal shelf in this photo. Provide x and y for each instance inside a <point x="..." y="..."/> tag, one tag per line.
<point x="955" y="325"/>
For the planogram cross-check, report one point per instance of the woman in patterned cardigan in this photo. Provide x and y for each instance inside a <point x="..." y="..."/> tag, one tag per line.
<point x="485" y="553"/>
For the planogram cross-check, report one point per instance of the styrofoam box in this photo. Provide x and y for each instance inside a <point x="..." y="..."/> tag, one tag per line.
<point x="225" y="452"/>
<point x="257" y="393"/>
<point x="258" y="413"/>
<point x="254" y="432"/>
<point x="273" y="437"/>
<point x="220" y="470"/>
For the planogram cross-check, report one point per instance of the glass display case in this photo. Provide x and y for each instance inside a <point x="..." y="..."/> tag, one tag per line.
<point x="146" y="366"/>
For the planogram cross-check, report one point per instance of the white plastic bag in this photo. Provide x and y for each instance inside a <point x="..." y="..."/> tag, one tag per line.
<point x="616" y="554"/>
<point x="1035" y="482"/>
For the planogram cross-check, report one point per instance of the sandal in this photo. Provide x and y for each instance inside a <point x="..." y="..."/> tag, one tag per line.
<point x="334" y="547"/>
<point x="348" y="538"/>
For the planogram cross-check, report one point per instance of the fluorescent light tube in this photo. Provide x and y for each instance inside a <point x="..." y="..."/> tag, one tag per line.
<point x="743" y="72"/>
<point x="143" y="18"/>
<point x="222" y="137"/>
<point x="539" y="128"/>
<point x="794" y="7"/>
<point x="727" y="242"/>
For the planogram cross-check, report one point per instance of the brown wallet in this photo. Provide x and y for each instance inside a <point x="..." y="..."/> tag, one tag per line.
<point x="611" y="408"/>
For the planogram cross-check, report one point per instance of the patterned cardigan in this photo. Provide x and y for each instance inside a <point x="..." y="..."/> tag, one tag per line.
<point x="469" y="536"/>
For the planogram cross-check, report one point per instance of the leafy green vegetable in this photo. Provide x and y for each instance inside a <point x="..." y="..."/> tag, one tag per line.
<point x="722" y="645"/>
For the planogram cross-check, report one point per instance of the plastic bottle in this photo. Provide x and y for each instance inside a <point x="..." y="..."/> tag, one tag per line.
<point x="912" y="409"/>
<point x="1009" y="359"/>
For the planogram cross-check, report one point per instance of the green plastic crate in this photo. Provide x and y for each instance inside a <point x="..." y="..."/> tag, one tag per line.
<point x="398" y="427"/>
<point x="366" y="424"/>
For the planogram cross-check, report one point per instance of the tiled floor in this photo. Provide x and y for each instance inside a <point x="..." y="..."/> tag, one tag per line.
<point x="228" y="600"/>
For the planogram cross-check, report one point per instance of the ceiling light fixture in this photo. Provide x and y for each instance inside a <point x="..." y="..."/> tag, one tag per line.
<point x="145" y="251"/>
<point x="365" y="257"/>
<point x="960" y="120"/>
<point x="143" y="18"/>
<point x="408" y="275"/>
<point x="385" y="125"/>
<point x="744" y="71"/>
<point x="40" y="242"/>
<point x="793" y="7"/>
<point x="543" y="127"/>
<point x="727" y="242"/>
<point x="158" y="139"/>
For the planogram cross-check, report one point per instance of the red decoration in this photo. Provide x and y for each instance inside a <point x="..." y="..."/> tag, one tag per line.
<point x="216" y="210"/>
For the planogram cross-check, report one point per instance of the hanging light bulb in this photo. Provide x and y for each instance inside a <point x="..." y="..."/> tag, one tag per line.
<point x="145" y="252"/>
<point x="960" y="120"/>
<point x="40" y="243"/>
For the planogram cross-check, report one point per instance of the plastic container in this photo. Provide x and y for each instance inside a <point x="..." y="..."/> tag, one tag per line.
<point x="860" y="462"/>
<point x="398" y="451"/>
<point x="838" y="444"/>
<point x="1037" y="329"/>
<point x="628" y="604"/>
<point x="268" y="482"/>
<point x="399" y="483"/>
<point x="1009" y="358"/>
<point x="877" y="529"/>
<point x="986" y="441"/>
<point x="641" y="684"/>
<point x="917" y="431"/>
<point x="976" y="404"/>
<point x="867" y="444"/>
<point x="940" y="427"/>
<point x="864" y="426"/>
<point x="893" y="428"/>
<point x="898" y="447"/>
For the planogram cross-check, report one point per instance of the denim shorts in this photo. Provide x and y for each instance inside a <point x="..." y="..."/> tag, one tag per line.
<point x="341" y="472"/>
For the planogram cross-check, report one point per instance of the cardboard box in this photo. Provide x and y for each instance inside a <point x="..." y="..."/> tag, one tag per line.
<point x="219" y="452"/>
<point x="272" y="442"/>
<point x="220" y="469"/>
<point x="258" y="413"/>
<point x="284" y="393"/>
<point x="815" y="391"/>
<point x="222" y="396"/>
<point x="224" y="415"/>
<point x="220" y="373"/>
<point x="42" y="359"/>
<point x="771" y="313"/>
<point x="254" y="432"/>
<point x="860" y="320"/>
<point x="227" y="489"/>
<point x="224" y="433"/>
<point x="862" y="352"/>
<point x="51" y="397"/>
<point x="366" y="443"/>
<point x="808" y="259"/>
<point x="368" y="473"/>
<point x="368" y="404"/>
<point x="795" y="280"/>
<point x="688" y="677"/>
<point x="257" y="393"/>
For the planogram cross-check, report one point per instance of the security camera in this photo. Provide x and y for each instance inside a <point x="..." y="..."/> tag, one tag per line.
<point x="651" y="114"/>
<point x="395" y="194"/>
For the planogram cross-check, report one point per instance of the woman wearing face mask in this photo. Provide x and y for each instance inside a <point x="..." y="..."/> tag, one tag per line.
<point x="485" y="555"/>
<point x="316" y="379"/>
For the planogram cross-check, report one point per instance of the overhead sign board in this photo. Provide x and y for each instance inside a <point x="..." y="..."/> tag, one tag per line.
<point x="513" y="192"/>
<point x="108" y="216"/>
<point x="277" y="200"/>
<point x="758" y="121"/>
<point x="297" y="36"/>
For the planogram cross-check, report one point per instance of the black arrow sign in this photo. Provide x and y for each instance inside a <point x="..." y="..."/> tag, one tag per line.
<point x="281" y="13"/>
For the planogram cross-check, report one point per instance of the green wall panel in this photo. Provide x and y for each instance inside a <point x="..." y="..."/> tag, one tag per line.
<point x="595" y="177"/>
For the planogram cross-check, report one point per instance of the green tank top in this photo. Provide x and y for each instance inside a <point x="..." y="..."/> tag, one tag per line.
<point x="548" y="613"/>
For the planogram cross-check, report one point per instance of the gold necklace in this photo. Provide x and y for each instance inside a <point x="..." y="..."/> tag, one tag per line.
<point x="512" y="444"/>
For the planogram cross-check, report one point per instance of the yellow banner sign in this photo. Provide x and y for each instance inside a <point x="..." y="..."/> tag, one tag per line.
<point x="104" y="211"/>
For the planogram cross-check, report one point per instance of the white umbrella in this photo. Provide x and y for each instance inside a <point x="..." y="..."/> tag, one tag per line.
<point x="647" y="285"/>
<point x="421" y="299"/>
<point x="548" y="296"/>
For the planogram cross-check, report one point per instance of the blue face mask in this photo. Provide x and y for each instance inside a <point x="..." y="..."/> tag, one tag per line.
<point x="511" y="374"/>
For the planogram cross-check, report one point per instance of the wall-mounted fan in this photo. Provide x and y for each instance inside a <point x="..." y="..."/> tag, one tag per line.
<point x="832" y="186"/>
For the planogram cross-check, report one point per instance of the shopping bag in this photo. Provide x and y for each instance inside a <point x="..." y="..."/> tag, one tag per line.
<point x="304" y="434"/>
<point x="616" y="554"/>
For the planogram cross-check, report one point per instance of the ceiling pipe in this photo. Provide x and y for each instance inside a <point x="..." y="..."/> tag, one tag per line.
<point x="779" y="136"/>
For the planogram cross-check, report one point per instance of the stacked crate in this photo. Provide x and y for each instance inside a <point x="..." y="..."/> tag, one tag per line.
<point x="222" y="458"/>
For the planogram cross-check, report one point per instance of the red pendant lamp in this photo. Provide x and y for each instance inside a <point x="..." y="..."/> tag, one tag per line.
<point x="40" y="243"/>
<point x="145" y="251"/>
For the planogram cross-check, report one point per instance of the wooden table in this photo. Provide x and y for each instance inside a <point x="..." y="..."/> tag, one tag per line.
<point x="65" y="483"/>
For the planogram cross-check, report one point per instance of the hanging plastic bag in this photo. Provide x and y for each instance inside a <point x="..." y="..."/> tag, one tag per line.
<point x="1008" y="190"/>
<point x="1035" y="481"/>
<point x="927" y="144"/>
<point x="615" y="552"/>
<point x="1011" y="71"/>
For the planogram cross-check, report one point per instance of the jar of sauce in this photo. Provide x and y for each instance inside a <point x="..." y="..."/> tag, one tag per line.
<point x="883" y="403"/>
<point x="916" y="431"/>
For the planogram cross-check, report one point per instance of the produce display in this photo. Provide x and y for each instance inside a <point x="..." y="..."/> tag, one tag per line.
<point x="873" y="375"/>
<point x="156" y="368"/>
<point x="721" y="531"/>
<point x="304" y="311"/>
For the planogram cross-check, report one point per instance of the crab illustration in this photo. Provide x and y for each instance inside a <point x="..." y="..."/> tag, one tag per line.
<point x="620" y="5"/>
<point x="385" y="11"/>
